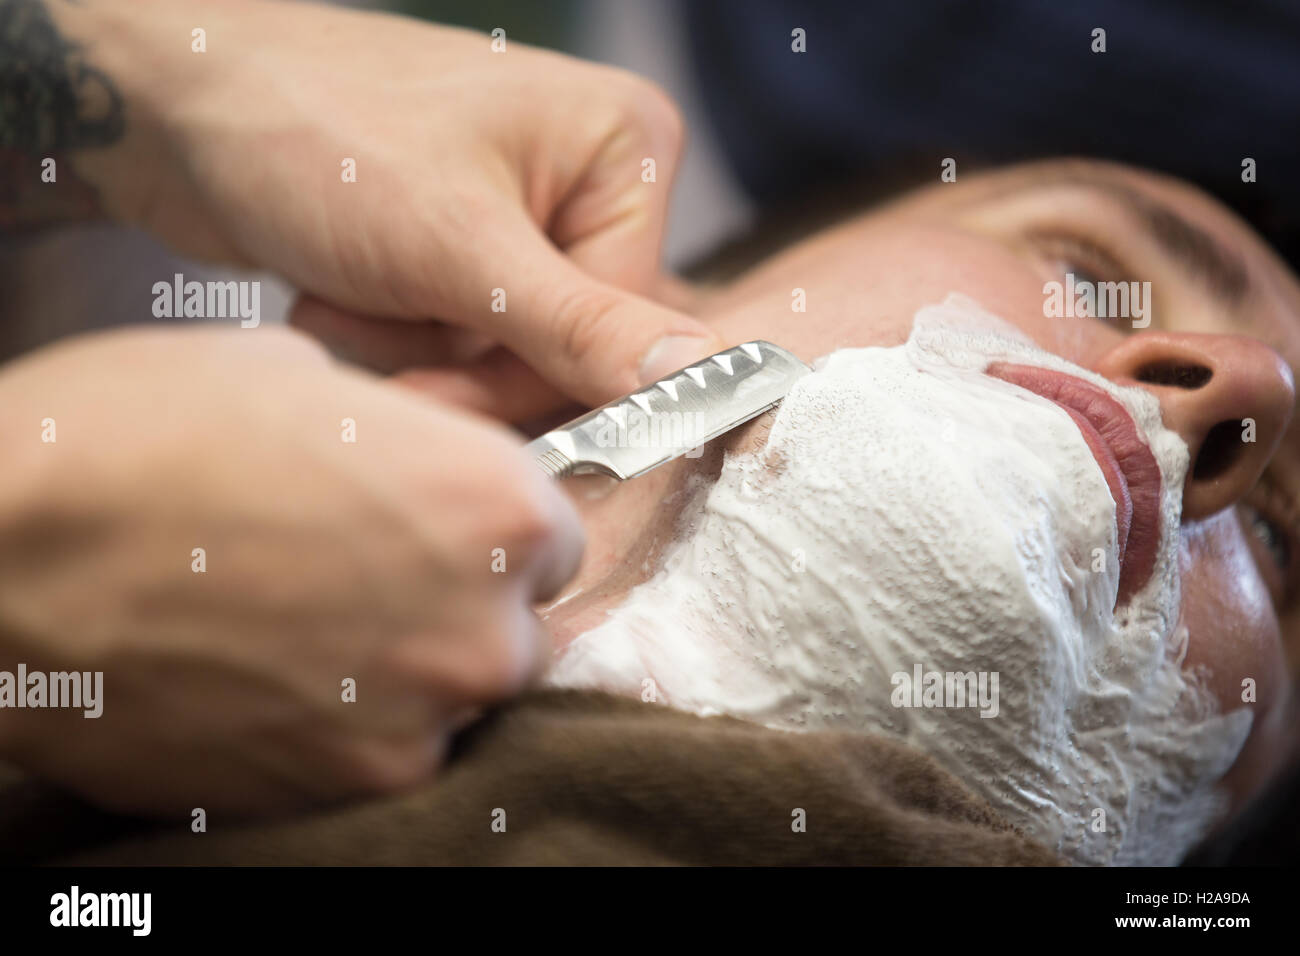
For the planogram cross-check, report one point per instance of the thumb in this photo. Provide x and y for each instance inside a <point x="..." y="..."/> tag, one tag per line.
<point x="589" y="339"/>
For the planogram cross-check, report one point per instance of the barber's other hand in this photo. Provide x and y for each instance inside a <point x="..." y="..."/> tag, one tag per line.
<point x="323" y="560"/>
<point x="518" y="171"/>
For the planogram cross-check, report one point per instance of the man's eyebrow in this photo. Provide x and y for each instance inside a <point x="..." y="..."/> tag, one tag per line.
<point x="1191" y="247"/>
<point x="1204" y="256"/>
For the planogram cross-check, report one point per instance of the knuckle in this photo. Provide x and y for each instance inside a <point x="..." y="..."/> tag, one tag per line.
<point x="501" y="666"/>
<point x="532" y="531"/>
<point x="528" y="523"/>
<point x="488" y="658"/>
<point x="649" y="107"/>
<point x="662" y="115"/>
<point x="585" y="317"/>
<point x="503" y="501"/>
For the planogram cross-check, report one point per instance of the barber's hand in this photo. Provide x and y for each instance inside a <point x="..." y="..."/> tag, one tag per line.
<point x="323" y="560"/>
<point x="500" y="193"/>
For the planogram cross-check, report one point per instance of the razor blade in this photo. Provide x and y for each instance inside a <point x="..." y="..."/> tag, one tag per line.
<point x="673" y="417"/>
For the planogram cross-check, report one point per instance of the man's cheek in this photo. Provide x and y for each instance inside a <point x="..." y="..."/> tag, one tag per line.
<point x="1233" y="632"/>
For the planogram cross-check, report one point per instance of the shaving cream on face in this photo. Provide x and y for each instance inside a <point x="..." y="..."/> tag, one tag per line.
<point x="908" y="516"/>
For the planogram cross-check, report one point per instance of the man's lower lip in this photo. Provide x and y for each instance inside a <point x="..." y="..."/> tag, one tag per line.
<point x="1126" y="462"/>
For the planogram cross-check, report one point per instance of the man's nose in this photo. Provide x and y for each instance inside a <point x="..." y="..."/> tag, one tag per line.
<point x="1228" y="396"/>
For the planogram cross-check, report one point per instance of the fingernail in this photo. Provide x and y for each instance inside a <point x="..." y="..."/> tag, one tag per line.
<point x="672" y="353"/>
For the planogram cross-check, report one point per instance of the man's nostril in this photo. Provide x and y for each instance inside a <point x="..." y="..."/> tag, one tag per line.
<point x="1220" y="449"/>
<point x="1175" y="375"/>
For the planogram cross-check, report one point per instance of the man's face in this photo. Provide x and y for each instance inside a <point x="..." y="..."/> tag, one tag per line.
<point x="1218" y="301"/>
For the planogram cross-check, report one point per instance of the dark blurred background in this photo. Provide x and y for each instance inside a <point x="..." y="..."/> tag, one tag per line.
<point x="885" y="90"/>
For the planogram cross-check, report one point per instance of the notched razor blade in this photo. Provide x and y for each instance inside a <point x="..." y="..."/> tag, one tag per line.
<point x="653" y="425"/>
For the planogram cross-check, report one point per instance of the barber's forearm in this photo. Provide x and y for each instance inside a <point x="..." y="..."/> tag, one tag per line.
<point x="53" y="102"/>
<point x="85" y="88"/>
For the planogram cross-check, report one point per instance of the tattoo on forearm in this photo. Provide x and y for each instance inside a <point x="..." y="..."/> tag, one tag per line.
<point x="52" y="101"/>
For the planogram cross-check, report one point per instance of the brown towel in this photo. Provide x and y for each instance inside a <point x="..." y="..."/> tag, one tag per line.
<point x="583" y="778"/>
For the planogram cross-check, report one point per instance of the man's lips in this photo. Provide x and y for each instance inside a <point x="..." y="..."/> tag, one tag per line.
<point x="1127" y="463"/>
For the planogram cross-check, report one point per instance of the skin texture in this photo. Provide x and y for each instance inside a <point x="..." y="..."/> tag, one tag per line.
<point x="998" y="238"/>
